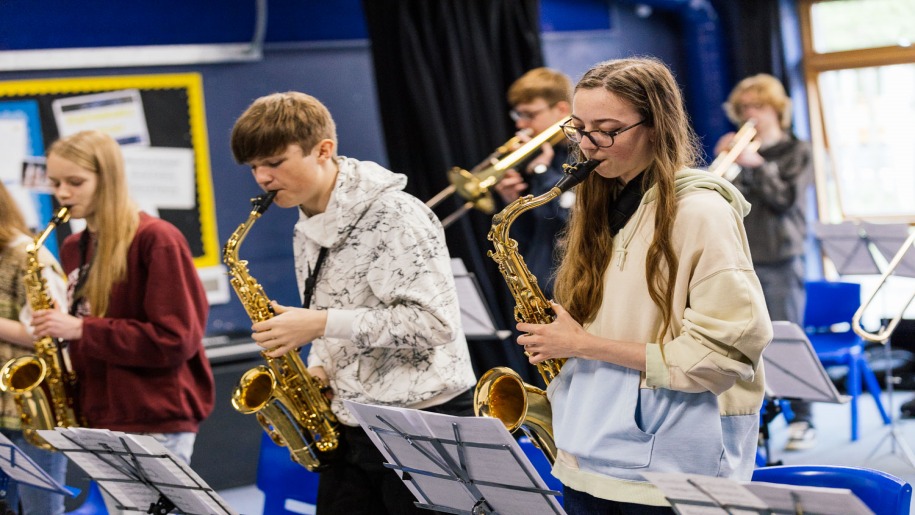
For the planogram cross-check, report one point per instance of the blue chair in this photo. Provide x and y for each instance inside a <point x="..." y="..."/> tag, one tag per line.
<point x="538" y="459"/>
<point x="285" y="483"/>
<point x="93" y="504"/>
<point x="883" y="493"/>
<point x="827" y="322"/>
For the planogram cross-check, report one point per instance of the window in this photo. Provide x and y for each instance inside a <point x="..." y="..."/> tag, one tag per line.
<point x="860" y="71"/>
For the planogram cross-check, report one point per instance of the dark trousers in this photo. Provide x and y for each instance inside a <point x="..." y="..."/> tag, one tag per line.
<point x="580" y="503"/>
<point x="783" y="286"/>
<point x="358" y="482"/>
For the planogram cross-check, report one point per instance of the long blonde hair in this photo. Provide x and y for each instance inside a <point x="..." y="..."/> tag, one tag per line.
<point x="12" y="224"/>
<point x="648" y="85"/>
<point x="115" y="216"/>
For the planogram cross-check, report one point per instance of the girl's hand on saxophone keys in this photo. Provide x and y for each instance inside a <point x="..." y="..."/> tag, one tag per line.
<point x="559" y="339"/>
<point x="290" y="329"/>
<point x="53" y="323"/>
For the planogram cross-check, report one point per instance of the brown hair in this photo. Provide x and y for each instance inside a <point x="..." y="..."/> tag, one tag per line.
<point x="115" y="216"/>
<point x="768" y="90"/>
<point x="550" y="85"/>
<point x="648" y="85"/>
<point x="12" y="224"/>
<point x="273" y="122"/>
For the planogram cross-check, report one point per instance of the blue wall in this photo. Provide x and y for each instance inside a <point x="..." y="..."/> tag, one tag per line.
<point x="312" y="48"/>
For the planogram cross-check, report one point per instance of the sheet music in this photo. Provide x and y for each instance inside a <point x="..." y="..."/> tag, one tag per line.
<point x="692" y="494"/>
<point x="21" y="469"/>
<point x="491" y="457"/>
<point x="814" y="500"/>
<point x="136" y="470"/>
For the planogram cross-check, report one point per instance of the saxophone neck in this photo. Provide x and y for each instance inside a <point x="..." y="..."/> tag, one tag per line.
<point x="502" y="221"/>
<point x="259" y="206"/>
<point x="62" y="215"/>
<point x="573" y="175"/>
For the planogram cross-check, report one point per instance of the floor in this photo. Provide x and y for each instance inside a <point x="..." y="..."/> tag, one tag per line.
<point x="876" y="448"/>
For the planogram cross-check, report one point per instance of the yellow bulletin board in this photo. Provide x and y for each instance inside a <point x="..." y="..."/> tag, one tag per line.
<point x="172" y="115"/>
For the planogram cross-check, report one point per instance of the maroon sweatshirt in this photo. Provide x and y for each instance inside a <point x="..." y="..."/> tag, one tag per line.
<point x="142" y="367"/>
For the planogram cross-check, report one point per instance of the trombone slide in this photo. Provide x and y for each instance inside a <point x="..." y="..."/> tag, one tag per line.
<point x="884" y="333"/>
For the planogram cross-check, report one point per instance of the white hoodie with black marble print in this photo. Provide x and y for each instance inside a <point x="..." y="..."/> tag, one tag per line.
<point x="393" y="334"/>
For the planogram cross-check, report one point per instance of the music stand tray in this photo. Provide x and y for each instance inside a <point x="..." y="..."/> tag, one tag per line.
<point x="849" y="247"/>
<point x="17" y="466"/>
<point x="462" y="465"/>
<point x="137" y="472"/>
<point x="793" y="370"/>
<point x="476" y="319"/>
<point x="691" y="494"/>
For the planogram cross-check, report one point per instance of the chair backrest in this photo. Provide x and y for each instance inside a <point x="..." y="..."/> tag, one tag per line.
<point x="280" y="478"/>
<point x="883" y="493"/>
<point x="830" y="302"/>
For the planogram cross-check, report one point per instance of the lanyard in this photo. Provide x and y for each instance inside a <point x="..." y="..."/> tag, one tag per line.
<point x="83" y="272"/>
<point x="312" y="279"/>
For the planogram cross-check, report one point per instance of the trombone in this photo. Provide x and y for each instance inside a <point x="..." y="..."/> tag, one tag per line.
<point x="885" y="332"/>
<point x="474" y="186"/>
<point x="743" y="140"/>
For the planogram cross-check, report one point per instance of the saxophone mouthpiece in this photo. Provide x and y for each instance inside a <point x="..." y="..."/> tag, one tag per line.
<point x="62" y="215"/>
<point x="262" y="202"/>
<point x="576" y="173"/>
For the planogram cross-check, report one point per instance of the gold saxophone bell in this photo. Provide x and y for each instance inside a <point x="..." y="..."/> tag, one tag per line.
<point x="743" y="140"/>
<point x="502" y="394"/>
<point x="19" y="375"/>
<point x="474" y="186"/>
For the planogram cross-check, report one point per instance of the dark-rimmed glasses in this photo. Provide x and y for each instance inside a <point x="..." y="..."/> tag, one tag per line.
<point x="600" y="139"/>
<point x="517" y="115"/>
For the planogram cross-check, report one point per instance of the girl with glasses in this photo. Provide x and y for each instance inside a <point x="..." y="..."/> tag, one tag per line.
<point x="658" y="308"/>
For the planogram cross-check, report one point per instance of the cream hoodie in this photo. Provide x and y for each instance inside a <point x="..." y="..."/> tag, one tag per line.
<point x="696" y="408"/>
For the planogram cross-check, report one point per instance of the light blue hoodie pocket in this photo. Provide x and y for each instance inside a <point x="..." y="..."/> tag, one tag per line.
<point x="594" y="409"/>
<point x="601" y="416"/>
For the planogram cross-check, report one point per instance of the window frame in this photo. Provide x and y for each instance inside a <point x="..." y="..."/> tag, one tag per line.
<point x="815" y="63"/>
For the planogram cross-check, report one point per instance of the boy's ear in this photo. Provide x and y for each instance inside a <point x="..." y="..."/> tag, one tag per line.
<point x="326" y="149"/>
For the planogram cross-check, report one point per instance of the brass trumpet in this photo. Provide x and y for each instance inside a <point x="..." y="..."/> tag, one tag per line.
<point x="743" y="140"/>
<point x="474" y="186"/>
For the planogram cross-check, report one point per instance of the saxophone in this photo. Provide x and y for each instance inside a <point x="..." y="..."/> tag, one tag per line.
<point x="287" y="401"/>
<point x="43" y="384"/>
<point x="501" y="393"/>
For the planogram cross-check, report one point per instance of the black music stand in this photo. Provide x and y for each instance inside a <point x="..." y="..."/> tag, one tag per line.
<point x="851" y="247"/>
<point x="18" y="467"/>
<point x="137" y="472"/>
<point x="476" y="319"/>
<point x="794" y="372"/>
<point x="462" y="465"/>
<point x="860" y="248"/>
<point x="695" y="494"/>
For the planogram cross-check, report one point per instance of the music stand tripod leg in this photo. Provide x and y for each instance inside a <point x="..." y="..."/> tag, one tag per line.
<point x="893" y="435"/>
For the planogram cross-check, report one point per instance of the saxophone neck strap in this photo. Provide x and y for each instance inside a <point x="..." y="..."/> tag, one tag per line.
<point x="312" y="278"/>
<point x="84" y="266"/>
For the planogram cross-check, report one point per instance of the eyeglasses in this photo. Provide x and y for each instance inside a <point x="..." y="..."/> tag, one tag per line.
<point x="517" y="115"/>
<point x="601" y="139"/>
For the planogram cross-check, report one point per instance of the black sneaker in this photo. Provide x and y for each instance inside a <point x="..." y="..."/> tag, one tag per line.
<point x="907" y="410"/>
